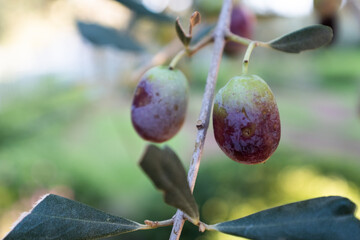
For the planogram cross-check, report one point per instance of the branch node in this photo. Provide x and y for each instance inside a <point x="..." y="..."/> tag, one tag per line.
<point x="199" y="124"/>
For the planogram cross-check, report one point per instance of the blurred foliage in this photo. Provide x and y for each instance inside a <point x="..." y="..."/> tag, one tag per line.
<point x="338" y="68"/>
<point x="62" y="136"/>
<point x="141" y="11"/>
<point x="43" y="110"/>
<point x="72" y="137"/>
<point x="101" y="36"/>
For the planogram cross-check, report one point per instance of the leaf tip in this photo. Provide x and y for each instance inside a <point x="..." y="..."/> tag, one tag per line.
<point x="195" y="18"/>
<point x="24" y="214"/>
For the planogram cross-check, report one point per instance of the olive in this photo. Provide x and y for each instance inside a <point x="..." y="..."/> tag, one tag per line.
<point x="159" y="105"/>
<point x="246" y="120"/>
<point x="242" y="23"/>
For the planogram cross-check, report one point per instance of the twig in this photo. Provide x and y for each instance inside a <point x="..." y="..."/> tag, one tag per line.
<point x="155" y="224"/>
<point x="204" y="118"/>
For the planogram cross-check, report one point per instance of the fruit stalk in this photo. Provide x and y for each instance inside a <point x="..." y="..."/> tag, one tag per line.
<point x="247" y="55"/>
<point x="190" y="51"/>
<point x="203" y="123"/>
<point x="176" y="59"/>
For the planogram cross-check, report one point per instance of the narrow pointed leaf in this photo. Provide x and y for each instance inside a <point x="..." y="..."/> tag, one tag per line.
<point x="55" y="217"/>
<point x="184" y="38"/>
<point x="140" y="10"/>
<point x="101" y="36"/>
<point x="304" y="39"/>
<point x="164" y="168"/>
<point x="325" y="218"/>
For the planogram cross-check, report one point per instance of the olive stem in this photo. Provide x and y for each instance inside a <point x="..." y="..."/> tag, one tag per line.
<point x="190" y="50"/>
<point x="176" y="59"/>
<point x="155" y="224"/>
<point x="204" y="118"/>
<point x="236" y="38"/>
<point x="204" y="42"/>
<point x="246" y="60"/>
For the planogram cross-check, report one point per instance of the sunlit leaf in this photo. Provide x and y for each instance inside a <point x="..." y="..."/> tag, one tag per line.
<point x="325" y="218"/>
<point x="164" y="168"/>
<point x="140" y="10"/>
<point x="304" y="39"/>
<point x="55" y="217"/>
<point x="101" y="36"/>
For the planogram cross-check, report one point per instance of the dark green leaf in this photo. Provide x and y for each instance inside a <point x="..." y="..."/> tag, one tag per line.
<point x="168" y="174"/>
<point x="55" y="217"/>
<point x="184" y="38"/>
<point x="140" y="10"/>
<point x="101" y="36"/>
<point x="304" y="39"/>
<point x="325" y="218"/>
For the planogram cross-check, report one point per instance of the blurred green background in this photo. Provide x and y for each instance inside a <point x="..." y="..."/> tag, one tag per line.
<point x="65" y="115"/>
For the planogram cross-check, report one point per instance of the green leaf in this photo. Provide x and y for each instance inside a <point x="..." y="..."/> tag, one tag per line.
<point x="164" y="168"/>
<point x="325" y="218"/>
<point x="304" y="39"/>
<point x="55" y="217"/>
<point x="184" y="37"/>
<point x="140" y="10"/>
<point x="101" y="36"/>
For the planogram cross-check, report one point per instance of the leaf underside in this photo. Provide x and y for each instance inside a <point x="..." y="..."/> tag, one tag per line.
<point x="105" y="36"/>
<point x="304" y="39"/>
<point x="325" y="218"/>
<point x="58" y="218"/>
<point x="166" y="171"/>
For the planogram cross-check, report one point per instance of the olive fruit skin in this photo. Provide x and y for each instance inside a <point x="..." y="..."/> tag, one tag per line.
<point x="246" y="120"/>
<point x="159" y="105"/>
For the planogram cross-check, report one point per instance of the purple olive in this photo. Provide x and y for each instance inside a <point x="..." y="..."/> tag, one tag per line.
<point x="241" y="23"/>
<point x="246" y="120"/>
<point x="159" y="105"/>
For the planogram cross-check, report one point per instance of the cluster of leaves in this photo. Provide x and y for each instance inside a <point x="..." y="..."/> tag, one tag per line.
<point x="55" y="217"/>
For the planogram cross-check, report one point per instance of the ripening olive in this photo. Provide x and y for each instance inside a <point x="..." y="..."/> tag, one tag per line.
<point x="242" y="23"/>
<point x="159" y="105"/>
<point x="246" y="120"/>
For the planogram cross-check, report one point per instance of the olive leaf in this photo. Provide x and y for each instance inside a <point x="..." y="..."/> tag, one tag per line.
<point x="304" y="39"/>
<point x="324" y="218"/>
<point x="140" y="11"/>
<point x="56" y="217"/>
<point x="184" y="37"/>
<point x="101" y="36"/>
<point x="164" y="168"/>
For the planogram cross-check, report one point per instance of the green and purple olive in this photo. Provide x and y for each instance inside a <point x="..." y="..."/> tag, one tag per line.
<point x="159" y="106"/>
<point x="246" y="120"/>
